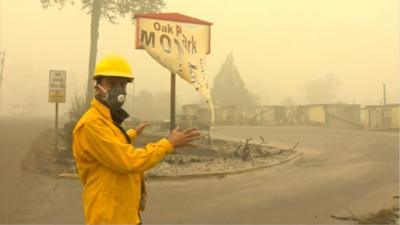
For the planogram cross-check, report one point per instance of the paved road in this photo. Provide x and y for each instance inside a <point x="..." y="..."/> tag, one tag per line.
<point x="26" y="197"/>
<point x="340" y="169"/>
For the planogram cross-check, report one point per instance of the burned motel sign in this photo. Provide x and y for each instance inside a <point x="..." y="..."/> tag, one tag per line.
<point x="148" y="38"/>
<point x="180" y="44"/>
<point x="168" y="30"/>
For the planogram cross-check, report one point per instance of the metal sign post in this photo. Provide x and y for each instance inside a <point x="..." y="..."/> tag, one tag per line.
<point x="179" y="43"/>
<point x="173" y="88"/>
<point x="56" y="129"/>
<point x="384" y="94"/>
<point x="57" y="92"/>
<point x="2" y="59"/>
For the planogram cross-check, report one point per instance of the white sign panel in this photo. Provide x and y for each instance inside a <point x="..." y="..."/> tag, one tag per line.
<point x="181" y="47"/>
<point x="57" y="85"/>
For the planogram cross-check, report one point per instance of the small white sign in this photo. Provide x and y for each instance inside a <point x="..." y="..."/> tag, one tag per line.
<point x="57" y="85"/>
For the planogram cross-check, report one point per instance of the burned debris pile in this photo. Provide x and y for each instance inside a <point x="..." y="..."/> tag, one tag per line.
<point x="222" y="156"/>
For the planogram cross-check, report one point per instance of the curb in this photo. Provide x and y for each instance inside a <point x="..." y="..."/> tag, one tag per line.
<point x="200" y="175"/>
<point x="220" y="174"/>
<point x="69" y="175"/>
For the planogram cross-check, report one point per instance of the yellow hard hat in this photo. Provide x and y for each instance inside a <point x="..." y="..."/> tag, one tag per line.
<point x="113" y="66"/>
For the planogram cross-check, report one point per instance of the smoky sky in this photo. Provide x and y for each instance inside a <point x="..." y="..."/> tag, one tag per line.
<point x="279" y="47"/>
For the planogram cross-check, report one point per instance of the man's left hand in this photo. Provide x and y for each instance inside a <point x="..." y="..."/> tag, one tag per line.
<point x="141" y="127"/>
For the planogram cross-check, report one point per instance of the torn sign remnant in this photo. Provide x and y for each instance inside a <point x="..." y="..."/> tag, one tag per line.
<point x="180" y="44"/>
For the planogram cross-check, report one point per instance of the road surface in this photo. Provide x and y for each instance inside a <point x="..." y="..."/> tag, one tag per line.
<point x="340" y="169"/>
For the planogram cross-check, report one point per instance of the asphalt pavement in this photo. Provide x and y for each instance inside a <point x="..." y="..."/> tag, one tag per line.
<point x="340" y="170"/>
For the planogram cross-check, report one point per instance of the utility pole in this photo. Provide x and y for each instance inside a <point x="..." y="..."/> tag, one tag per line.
<point x="384" y="94"/>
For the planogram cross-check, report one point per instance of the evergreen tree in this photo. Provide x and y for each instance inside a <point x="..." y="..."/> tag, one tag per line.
<point x="229" y="89"/>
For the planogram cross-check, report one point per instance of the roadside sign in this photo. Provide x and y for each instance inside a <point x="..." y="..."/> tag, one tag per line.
<point x="179" y="43"/>
<point x="57" y="86"/>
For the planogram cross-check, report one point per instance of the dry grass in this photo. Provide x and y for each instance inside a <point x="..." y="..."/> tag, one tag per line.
<point x="383" y="216"/>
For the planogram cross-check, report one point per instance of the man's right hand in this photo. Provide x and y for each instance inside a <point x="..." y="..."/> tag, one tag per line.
<point x="181" y="138"/>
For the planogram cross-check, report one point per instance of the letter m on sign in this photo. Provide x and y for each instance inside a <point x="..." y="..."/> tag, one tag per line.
<point x="147" y="38"/>
<point x="147" y="35"/>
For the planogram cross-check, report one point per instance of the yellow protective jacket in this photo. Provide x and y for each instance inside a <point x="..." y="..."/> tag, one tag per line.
<point x="111" y="169"/>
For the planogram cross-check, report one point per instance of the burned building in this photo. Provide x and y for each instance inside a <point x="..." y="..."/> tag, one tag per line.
<point x="194" y="115"/>
<point x="330" y="115"/>
<point x="380" y="116"/>
<point x="270" y="115"/>
<point x="227" y="115"/>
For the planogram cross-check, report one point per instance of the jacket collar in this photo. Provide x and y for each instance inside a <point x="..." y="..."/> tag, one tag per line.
<point x="117" y="116"/>
<point x="104" y="110"/>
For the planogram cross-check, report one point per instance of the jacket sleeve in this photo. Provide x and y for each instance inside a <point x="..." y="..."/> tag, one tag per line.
<point x="132" y="134"/>
<point x="102" y="145"/>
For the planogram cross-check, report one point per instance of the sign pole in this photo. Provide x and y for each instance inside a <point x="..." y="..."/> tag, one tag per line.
<point x="384" y="94"/>
<point x="1" y="97"/>
<point x="3" y="56"/>
<point x="56" y="128"/>
<point x="57" y="94"/>
<point x="173" y="86"/>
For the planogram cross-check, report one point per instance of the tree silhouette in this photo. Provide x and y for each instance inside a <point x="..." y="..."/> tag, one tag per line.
<point x="229" y="89"/>
<point x="322" y="90"/>
<point x="111" y="10"/>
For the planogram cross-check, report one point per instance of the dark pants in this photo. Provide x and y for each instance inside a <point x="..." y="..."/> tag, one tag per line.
<point x="140" y="218"/>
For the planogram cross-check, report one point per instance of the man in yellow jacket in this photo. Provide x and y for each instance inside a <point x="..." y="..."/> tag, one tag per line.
<point x="110" y="167"/>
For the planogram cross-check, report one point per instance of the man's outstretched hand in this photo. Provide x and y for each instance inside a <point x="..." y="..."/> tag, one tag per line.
<point x="141" y="127"/>
<point x="181" y="138"/>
